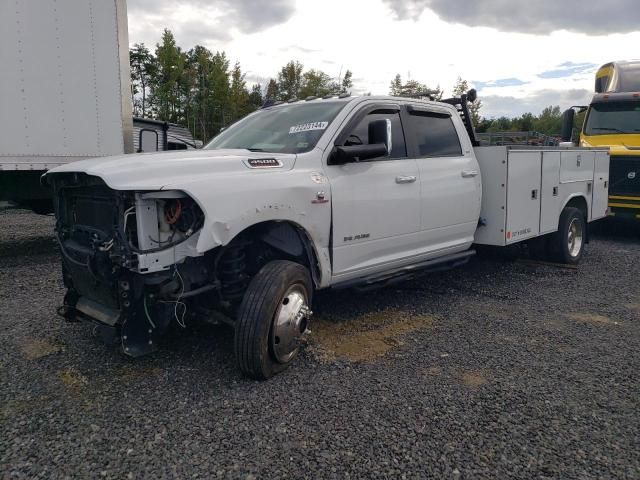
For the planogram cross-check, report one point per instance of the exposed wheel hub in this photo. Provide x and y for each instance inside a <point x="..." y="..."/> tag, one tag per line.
<point x="575" y="237"/>
<point x="290" y="324"/>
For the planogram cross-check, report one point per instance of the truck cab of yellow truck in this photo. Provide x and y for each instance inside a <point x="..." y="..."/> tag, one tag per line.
<point x="613" y="120"/>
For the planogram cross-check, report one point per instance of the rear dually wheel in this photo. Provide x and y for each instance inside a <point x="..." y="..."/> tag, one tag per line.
<point x="567" y="244"/>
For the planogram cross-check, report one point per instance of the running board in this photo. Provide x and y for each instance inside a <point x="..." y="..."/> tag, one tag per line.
<point x="405" y="273"/>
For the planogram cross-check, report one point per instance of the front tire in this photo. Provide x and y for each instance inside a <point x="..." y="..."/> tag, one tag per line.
<point x="567" y="244"/>
<point x="272" y="319"/>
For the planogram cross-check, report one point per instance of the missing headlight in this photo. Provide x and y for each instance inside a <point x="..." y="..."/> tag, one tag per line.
<point x="165" y="219"/>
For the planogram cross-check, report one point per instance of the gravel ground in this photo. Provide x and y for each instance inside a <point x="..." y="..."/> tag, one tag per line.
<point x="501" y="369"/>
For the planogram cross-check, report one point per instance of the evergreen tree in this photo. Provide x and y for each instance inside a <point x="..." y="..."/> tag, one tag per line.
<point x="143" y="71"/>
<point x="290" y="80"/>
<point x="165" y="88"/>
<point x="347" y="82"/>
<point x="273" y="92"/>
<point x="201" y="61"/>
<point x="395" y="89"/>
<point x="255" y="97"/>
<point x="219" y="104"/>
<point x="238" y="94"/>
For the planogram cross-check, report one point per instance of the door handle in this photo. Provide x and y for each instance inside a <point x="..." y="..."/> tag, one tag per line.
<point x="406" y="179"/>
<point x="469" y="173"/>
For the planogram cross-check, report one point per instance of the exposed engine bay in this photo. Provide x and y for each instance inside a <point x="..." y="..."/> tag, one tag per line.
<point x="130" y="261"/>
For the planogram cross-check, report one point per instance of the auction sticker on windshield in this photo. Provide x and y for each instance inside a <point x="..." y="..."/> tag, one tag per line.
<point x="307" y="127"/>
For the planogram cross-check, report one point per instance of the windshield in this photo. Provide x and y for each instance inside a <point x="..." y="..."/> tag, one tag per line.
<point x="612" y="118"/>
<point x="629" y="77"/>
<point x="294" y="128"/>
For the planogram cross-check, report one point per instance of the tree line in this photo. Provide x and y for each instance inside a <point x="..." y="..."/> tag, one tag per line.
<point x="548" y="122"/>
<point x="204" y="91"/>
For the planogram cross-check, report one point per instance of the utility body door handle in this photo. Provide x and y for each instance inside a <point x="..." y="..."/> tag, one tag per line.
<point x="469" y="173"/>
<point x="405" y="179"/>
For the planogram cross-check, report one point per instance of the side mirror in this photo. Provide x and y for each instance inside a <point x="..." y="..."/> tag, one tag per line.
<point x="380" y="145"/>
<point x="380" y="132"/>
<point x="567" y="124"/>
<point x="357" y="153"/>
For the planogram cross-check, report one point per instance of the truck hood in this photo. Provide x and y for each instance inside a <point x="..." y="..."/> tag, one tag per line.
<point x="619" y="144"/>
<point x="157" y="171"/>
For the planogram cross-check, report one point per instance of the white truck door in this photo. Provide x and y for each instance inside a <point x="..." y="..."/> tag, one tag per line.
<point x="450" y="183"/>
<point x="550" y="192"/>
<point x="375" y="203"/>
<point x="524" y="178"/>
<point x="599" y="204"/>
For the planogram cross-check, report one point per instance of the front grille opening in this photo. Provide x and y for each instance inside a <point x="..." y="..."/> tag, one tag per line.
<point x="624" y="176"/>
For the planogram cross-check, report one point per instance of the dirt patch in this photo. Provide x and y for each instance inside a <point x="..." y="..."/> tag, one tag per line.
<point x="553" y="323"/>
<point x="367" y="337"/>
<point x="13" y="408"/>
<point x="135" y="374"/>
<point x="72" y="378"/>
<point x="472" y="378"/>
<point x="635" y="307"/>
<point x="592" y="318"/>
<point x="433" y="371"/>
<point x="35" y="348"/>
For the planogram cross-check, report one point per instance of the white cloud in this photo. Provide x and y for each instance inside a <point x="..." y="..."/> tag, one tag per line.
<point x="366" y="37"/>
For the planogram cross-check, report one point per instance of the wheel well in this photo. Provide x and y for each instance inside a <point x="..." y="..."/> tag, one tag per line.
<point x="274" y="240"/>
<point x="581" y="204"/>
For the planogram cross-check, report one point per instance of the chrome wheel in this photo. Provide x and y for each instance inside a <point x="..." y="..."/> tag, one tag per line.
<point x="575" y="237"/>
<point x="290" y="323"/>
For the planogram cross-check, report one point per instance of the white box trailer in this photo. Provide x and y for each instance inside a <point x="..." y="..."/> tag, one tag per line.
<point x="525" y="189"/>
<point x="64" y="89"/>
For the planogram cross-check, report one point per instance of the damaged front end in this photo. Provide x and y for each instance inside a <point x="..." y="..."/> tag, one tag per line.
<point x="130" y="262"/>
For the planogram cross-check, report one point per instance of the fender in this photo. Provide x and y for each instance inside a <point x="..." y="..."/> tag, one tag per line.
<point x="234" y="203"/>
<point x="574" y="196"/>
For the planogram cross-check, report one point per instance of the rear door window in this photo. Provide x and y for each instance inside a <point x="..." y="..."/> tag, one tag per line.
<point x="433" y="134"/>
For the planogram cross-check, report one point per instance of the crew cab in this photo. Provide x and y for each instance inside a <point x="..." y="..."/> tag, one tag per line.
<point x="302" y="196"/>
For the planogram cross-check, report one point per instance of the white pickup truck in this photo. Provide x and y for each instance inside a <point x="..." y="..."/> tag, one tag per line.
<point x="302" y="196"/>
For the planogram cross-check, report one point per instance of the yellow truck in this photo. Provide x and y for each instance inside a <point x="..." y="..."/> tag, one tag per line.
<point x="613" y="120"/>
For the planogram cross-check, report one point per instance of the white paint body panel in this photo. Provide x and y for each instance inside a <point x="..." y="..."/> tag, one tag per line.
<point x="511" y="212"/>
<point x="576" y="166"/>
<point x="451" y="194"/>
<point x="406" y="223"/>
<point x="64" y="88"/>
<point x="363" y="194"/>
<point x="523" y="196"/>
<point x="550" y="200"/>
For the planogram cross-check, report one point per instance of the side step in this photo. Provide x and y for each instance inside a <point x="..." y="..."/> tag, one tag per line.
<point x="406" y="273"/>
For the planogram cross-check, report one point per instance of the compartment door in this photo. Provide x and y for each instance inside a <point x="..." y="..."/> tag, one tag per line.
<point x="577" y="166"/>
<point x="599" y="203"/>
<point x="550" y="192"/>
<point x="523" y="195"/>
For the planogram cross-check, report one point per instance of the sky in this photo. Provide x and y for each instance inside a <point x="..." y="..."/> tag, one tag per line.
<point x="521" y="55"/>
